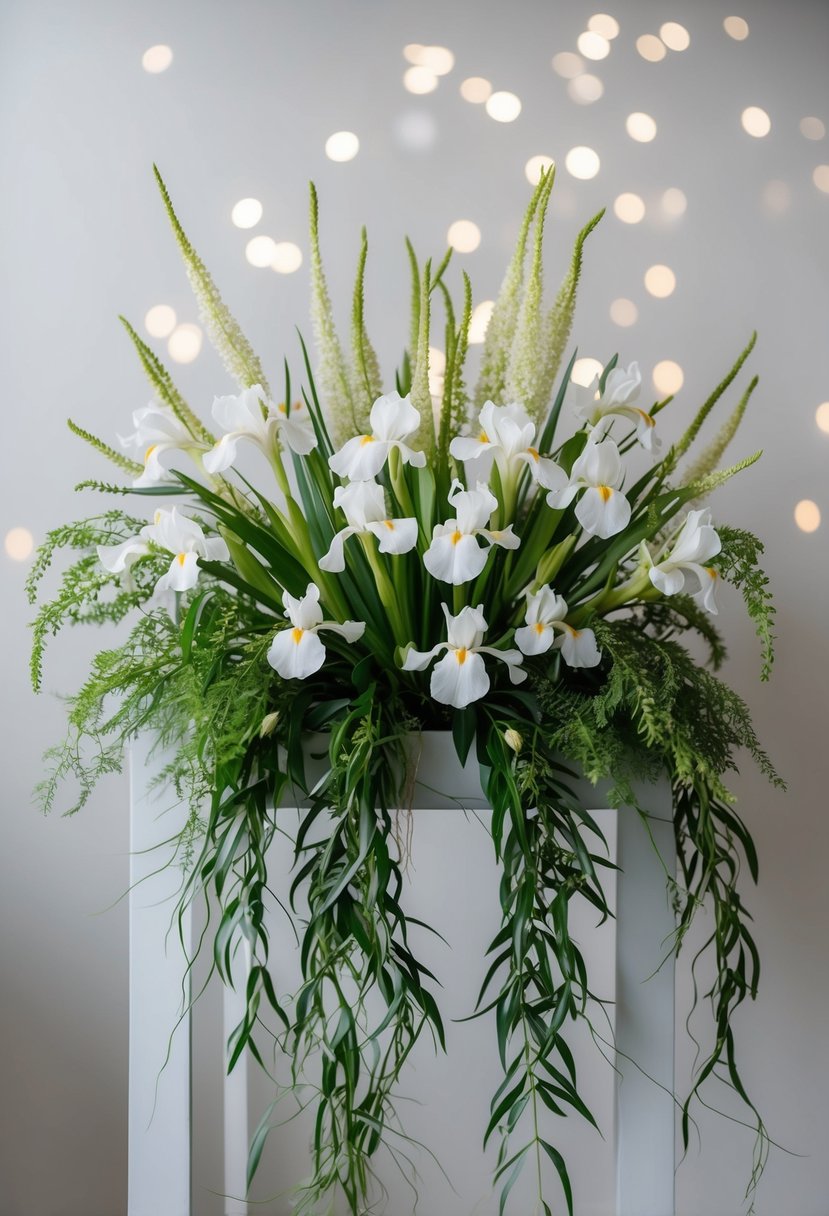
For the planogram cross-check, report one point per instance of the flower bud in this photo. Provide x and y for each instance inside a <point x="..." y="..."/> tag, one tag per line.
<point x="268" y="724"/>
<point x="513" y="740"/>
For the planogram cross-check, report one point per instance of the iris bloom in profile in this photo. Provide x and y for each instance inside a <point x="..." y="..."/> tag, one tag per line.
<point x="454" y="556"/>
<point x="546" y="627"/>
<point x="297" y="652"/>
<point x="364" y="505"/>
<point x="251" y="415"/>
<point x="461" y="677"/>
<point x="177" y="534"/>
<point x="602" y="510"/>
<point x="508" y="433"/>
<point x="393" y="419"/>
<point x="157" y="430"/>
<point x="696" y="543"/>
<point x="621" y="389"/>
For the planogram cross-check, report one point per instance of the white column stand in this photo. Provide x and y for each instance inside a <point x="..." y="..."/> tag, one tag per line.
<point x="159" y="1101"/>
<point x="645" y="1148"/>
<point x="236" y="1119"/>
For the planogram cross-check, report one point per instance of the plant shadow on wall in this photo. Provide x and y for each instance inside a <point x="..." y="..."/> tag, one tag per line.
<point x="419" y="562"/>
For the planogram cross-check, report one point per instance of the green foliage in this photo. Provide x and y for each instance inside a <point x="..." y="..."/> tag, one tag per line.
<point x="678" y="451"/>
<point x="368" y="382"/>
<point x="739" y="564"/>
<point x="164" y="387"/>
<point x="129" y="466"/>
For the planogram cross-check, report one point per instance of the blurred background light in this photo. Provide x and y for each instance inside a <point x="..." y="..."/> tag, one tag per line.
<point x="660" y="281"/>
<point x="820" y="177"/>
<point x="592" y="45"/>
<point x="503" y="106"/>
<point x="776" y="197"/>
<point x="157" y="59"/>
<point x="476" y="89"/>
<point x="184" y="343"/>
<point x="812" y="128"/>
<point x="736" y="28"/>
<point x="673" y="202"/>
<point x="160" y="320"/>
<point x="604" y="24"/>
<point x="668" y="377"/>
<point x="534" y="167"/>
<point x="419" y="79"/>
<point x="416" y="130"/>
<point x="568" y="64"/>
<point x="342" y="146"/>
<point x="624" y="312"/>
<point x="479" y="321"/>
<point x="807" y="515"/>
<point x="287" y="257"/>
<point x="246" y="213"/>
<point x="19" y="544"/>
<point x="260" y="251"/>
<point x="640" y="127"/>
<point x="755" y="121"/>
<point x="651" y="48"/>
<point x="822" y="416"/>
<point x="585" y="89"/>
<point x="675" y="36"/>
<point x="629" y="208"/>
<point x="582" y="162"/>
<point x="464" y="235"/>
<point x="586" y="370"/>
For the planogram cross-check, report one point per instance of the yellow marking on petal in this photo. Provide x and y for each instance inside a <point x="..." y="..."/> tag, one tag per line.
<point x="534" y="453"/>
<point x="711" y="572"/>
<point x="389" y="524"/>
<point x="282" y="408"/>
<point x="149" y="452"/>
<point x="157" y="516"/>
<point x="605" y="492"/>
<point x="483" y="437"/>
<point x="539" y="628"/>
<point x="364" y="439"/>
<point x="296" y="635"/>
<point x="456" y="536"/>
<point x="645" y="416"/>
<point x="460" y="655"/>
<point x="180" y="558"/>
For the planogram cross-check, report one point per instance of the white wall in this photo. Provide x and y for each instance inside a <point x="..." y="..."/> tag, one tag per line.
<point x="253" y="92"/>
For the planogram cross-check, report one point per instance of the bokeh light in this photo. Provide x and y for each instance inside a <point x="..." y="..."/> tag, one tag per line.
<point x="585" y="89"/>
<point x="668" y="377"/>
<point x="585" y="371"/>
<point x="812" y="128"/>
<point x="503" y="106"/>
<point x="592" y="45"/>
<point x="184" y="343"/>
<point x="604" y="24"/>
<point x="287" y="257"/>
<point x="260" y="251"/>
<point x="660" y="281"/>
<point x="438" y="59"/>
<point x="246" y="213"/>
<point x="420" y="79"/>
<point x="479" y="321"/>
<point x="568" y="64"/>
<point x="342" y="146"/>
<point x="624" y="312"/>
<point x="476" y="89"/>
<point x="651" y="48"/>
<point x="19" y="544"/>
<point x="777" y="197"/>
<point x="534" y="167"/>
<point x="582" y="162"/>
<point x="807" y="515"/>
<point x="416" y="130"/>
<point x="755" y="121"/>
<point x="736" y="28"/>
<point x="160" y="320"/>
<point x="629" y="208"/>
<point x="675" y="36"/>
<point x="674" y="202"/>
<point x="640" y="127"/>
<point x="821" y="178"/>
<point x="157" y="59"/>
<point x="464" y="236"/>
<point x="822" y="416"/>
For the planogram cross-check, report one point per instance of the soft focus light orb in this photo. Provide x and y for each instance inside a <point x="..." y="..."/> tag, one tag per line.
<point x="503" y="106"/>
<point x="342" y="146"/>
<point x="419" y="79"/>
<point x="604" y="24"/>
<point x="184" y="343"/>
<point x="260" y="251"/>
<point x="479" y="321"/>
<point x="535" y="166"/>
<point x="777" y="197"/>
<point x="674" y="202"/>
<point x="812" y="128"/>
<point x="629" y="208"/>
<point x="157" y="59"/>
<point x="755" y="121"/>
<point x="675" y="36"/>
<point x="651" y="48"/>
<point x="476" y="89"/>
<point x="18" y="544"/>
<point x="568" y="64"/>
<point x="821" y="178"/>
<point x="660" y="281"/>
<point x="464" y="236"/>
<point x="640" y="127"/>
<point x="585" y="371"/>
<point x="413" y="52"/>
<point x="624" y="312"/>
<point x="807" y="515"/>
<point x="416" y="130"/>
<point x="822" y="417"/>
<point x="668" y="377"/>
<point x="582" y="162"/>
<point x="592" y="45"/>
<point x="160" y="320"/>
<point x="438" y="59"/>
<point x="585" y="89"/>
<point x="246" y="213"/>
<point x="287" y="257"/>
<point x="736" y="28"/>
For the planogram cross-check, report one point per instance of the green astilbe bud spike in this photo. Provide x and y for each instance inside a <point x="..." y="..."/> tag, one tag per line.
<point x="678" y="451"/>
<point x="123" y="462"/>
<point x="525" y="368"/>
<point x="223" y="330"/>
<point x="164" y="388"/>
<point x="420" y="395"/>
<point x="712" y="481"/>
<point x="367" y="383"/>
<point x="711" y="457"/>
<point x="501" y="328"/>
<point x="559" y="323"/>
<point x="332" y="374"/>
<point x="414" y="309"/>
<point x="460" y="397"/>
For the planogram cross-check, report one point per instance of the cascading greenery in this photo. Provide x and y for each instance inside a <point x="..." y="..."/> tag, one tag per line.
<point x="211" y="667"/>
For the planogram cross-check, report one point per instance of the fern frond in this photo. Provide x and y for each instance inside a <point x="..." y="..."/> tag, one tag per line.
<point x="738" y="563"/>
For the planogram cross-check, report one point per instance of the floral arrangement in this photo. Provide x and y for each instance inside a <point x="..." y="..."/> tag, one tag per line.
<point x="516" y="565"/>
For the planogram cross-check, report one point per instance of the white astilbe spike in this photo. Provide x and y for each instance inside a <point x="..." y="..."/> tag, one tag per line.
<point x="366" y="381"/>
<point x="332" y="372"/>
<point x="223" y="330"/>
<point x="501" y="328"/>
<point x="525" y="367"/>
<point x="707" y="462"/>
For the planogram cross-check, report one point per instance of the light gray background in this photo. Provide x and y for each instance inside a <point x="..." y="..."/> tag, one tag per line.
<point x="245" y="109"/>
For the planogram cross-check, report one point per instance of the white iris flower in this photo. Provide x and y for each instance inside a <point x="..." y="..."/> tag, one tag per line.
<point x="242" y="417"/>
<point x="508" y="432"/>
<point x="621" y="389"/>
<point x="296" y="652"/>
<point x="547" y="627"/>
<point x="461" y="677"/>
<point x="364" y="506"/>
<point x="179" y="535"/>
<point x="157" y="430"/>
<point x="695" y="545"/>
<point x="393" y="419"/>
<point x="454" y="556"/>
<point x="601" y="510"/>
